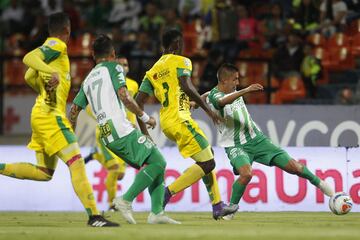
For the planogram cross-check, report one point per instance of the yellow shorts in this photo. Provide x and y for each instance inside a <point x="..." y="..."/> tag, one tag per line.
<point x="189" y="138"/>
<point x="50" y="133"/>
<point x="108" y="158"/>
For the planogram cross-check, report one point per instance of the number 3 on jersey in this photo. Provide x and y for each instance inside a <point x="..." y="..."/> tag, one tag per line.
<point x="166" y="88"/>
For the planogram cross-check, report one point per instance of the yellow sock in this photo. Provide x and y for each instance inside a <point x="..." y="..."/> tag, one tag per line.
<point x="189" y="177"/>
<point x="72" y="157"/>
<point x="212" y="187"/>
<point x="111" y="185"/>
<point x="24" y="171"/>
<point x="82" y="186"/>
<point x="98" y="156"/>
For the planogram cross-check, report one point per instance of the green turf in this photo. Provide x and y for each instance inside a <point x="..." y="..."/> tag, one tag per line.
<point x="246" y="225"/>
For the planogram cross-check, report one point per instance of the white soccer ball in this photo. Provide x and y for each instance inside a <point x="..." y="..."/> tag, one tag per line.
<point x="340" y="203"/>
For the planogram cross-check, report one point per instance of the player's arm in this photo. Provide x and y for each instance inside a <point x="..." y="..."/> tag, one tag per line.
<point x="30" y="79"/>
<point x="141" y="98"/>
<point x="133" y="107"/>
<point x="80" y="102"/>
<point x="187" y="86"/>
<point x="36" y="60"/>
<point x="230" y="98"/>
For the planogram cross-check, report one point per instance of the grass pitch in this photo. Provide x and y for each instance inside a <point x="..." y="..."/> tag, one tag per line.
<point x="246" y="225"/>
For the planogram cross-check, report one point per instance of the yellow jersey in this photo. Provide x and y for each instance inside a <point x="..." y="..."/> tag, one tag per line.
<point x="133" y="89"/>
<point x="55" y="53"/>
<point x="162" y="81"/>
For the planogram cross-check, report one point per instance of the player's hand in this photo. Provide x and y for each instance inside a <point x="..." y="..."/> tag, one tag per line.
<point x="215" y="118"/>
<point x="53" y="82"/>
<point x="193" y="105"/>
<point x="255" y="87"/>
<point x="151" y="123"/>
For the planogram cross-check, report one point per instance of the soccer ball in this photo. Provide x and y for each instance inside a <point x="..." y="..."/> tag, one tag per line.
<point x="340" y="203"/>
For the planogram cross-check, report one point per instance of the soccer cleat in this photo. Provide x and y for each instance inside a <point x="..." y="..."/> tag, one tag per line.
<point x="228" y="217"/>
<point x="112" y="209"/>
<point x="125" y="208"/>
<point x="167" y="197"/>
<point x="326" y="188"/>
<point x="161" y="218"/>
<point x="90" y="157"/>
<point x="100" y="221"/>
<point x="221" y="209"/>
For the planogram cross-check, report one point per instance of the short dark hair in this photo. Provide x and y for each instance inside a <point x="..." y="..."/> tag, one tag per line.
<point x="225" y="69"/>
<point x="169" y="37"/>
<point x="57" y="22"/>
<point x="102" y="46"/>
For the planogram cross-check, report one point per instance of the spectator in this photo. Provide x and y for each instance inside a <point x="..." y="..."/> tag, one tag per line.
<point x="345" y="97"/>
<point x="209" y="78"/>
<point x="223" y="21"/>
<point x="51" y="6"/>
<point x="247" y="29"/>
<point x="332" y="16"/>
<point x="125" y="15"/>
<point x="172" y="20"/>
<point x="193" y="7"/>
<point x="310" y="70"/>
<point x="71" y="9"/>
<point x="288" y="58"/>
<point x="152" y="23"/>
<point x="12" y="17"/>
<point x="99" y="14"/>
<point x="275" y="26"/>
<point x="307" y="17"/>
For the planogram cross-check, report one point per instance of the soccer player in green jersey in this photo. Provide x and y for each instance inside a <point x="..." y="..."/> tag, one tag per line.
<point x="243" y="141"/>
<point x="105" y="90"/>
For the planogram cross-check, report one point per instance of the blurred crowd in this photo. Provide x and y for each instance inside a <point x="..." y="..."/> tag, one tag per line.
<point x="276" y="31"/>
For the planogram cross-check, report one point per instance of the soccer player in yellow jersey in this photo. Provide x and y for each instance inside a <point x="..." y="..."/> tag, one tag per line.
<point x="115" y="165"/>
<point x="170" y="81"/>
<point x="52" y="136"/>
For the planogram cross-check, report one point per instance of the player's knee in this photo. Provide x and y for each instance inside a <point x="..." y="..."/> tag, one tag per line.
<point x="120" y="176"/>
<point x="47" y="174"/>
<point x="245" y="178"/>
<point x="295" y="168"/>
<point x="207" y="166"/>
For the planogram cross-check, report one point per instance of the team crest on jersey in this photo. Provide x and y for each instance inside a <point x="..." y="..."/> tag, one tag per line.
<point x="141" y="139"/>
<point x="187" y="62"/>
<point x="119" y="68"/>
<point x="155" y="76"/>
<point x="52" y="43"/>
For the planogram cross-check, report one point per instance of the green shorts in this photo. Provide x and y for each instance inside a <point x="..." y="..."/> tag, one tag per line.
<point x="134" y="148"/>
<point x="260" y="150"/>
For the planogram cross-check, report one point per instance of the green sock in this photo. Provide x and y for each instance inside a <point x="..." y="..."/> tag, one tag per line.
<point x="142" y="180"/>
<point x="157" y="191"/>
<point x="310" y="176"/>
<point x="2" y="166"/>
<point x="238" y="190"/>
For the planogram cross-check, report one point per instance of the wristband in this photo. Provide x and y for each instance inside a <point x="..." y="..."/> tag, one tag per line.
<point x="144" y="118"/>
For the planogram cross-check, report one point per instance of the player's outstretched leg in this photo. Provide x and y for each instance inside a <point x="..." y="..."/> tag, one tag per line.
<point x="142" y="180"/>
<point x="72" y="157"/>
<point x="156" y="190"/>
<point x="42" y="171"/>
<point x="294" y="167"/>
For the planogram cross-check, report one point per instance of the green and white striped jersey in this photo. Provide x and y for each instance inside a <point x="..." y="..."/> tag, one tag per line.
<point x="99" y="89"/>
<point x="238" y="127"/>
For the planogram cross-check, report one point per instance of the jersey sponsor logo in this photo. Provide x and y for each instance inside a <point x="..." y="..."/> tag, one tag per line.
<point x="101" y="116"/>
<point x="141" y="139"/>
<point x="183" y="101"/>
<point x="163" y="73"/>
<point x="186" y="72"/>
